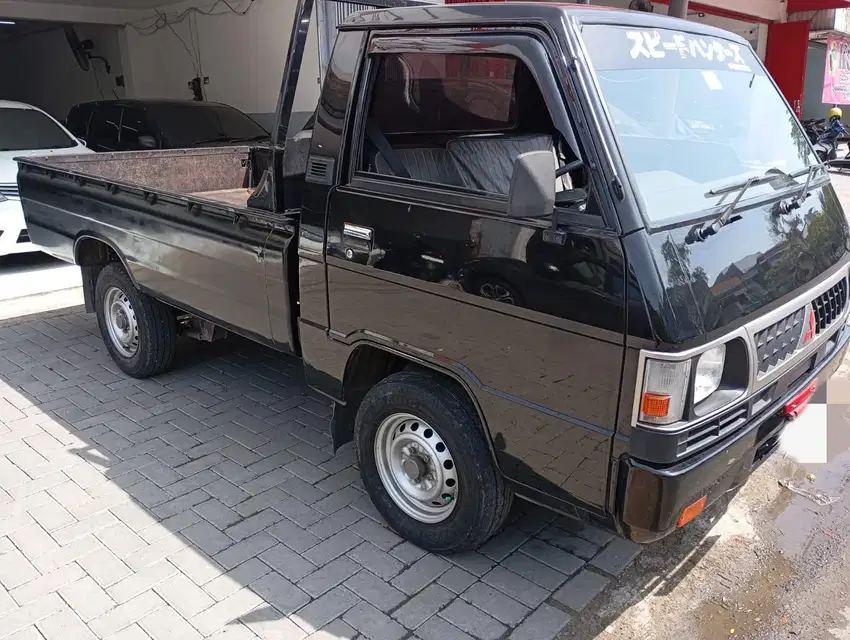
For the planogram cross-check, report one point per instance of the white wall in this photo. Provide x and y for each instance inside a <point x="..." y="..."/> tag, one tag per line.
<point x="40" y="69"/>
<point x="243" y="56"/>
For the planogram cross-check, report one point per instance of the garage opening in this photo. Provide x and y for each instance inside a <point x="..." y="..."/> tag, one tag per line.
<point x="54" y="66"/>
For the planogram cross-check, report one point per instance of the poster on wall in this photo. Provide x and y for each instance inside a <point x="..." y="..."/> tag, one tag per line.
<point x="836" y="78"/>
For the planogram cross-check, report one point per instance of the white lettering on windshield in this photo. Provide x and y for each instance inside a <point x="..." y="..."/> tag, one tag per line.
<point x="652" y="45"/>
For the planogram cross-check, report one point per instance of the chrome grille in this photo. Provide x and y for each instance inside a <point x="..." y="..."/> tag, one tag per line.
<point x="9" y="191"/>
<point x="829" y="305"/>
<point x="779" y="341"/>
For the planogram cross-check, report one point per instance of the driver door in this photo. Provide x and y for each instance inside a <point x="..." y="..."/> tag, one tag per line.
<point x="431" y="263"/>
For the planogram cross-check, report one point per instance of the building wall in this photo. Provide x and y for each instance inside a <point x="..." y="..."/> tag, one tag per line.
<point x="242" y="55"/>
<point x="40" y="69"/>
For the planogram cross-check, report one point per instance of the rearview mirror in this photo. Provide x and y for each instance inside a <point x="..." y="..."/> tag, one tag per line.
<point x="532" y="193"/>
<point x="147" y="142"/>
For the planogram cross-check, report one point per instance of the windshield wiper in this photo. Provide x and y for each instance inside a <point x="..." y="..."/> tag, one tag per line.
<point x="802" y="194"/>
<point x="711" y="227"/>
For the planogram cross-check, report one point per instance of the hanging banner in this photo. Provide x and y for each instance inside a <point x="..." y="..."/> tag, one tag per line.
<point x="836" y="77"/>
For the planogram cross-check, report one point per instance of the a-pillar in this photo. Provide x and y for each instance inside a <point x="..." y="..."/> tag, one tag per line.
<point x="678" y="9"/>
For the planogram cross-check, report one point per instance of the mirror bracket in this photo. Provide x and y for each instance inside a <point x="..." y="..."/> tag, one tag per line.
<point x="147" y="142"/>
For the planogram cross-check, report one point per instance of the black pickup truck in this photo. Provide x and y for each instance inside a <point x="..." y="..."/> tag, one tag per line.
<point x="578" y="255"/>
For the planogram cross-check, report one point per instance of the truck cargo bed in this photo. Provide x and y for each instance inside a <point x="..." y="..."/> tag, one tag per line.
<point x="179" y="222"/>
<point x="219" y="174"/>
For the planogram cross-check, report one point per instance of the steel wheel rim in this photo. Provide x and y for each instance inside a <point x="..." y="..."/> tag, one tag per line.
<point x="121" y="322"/>
<point x="416" y="468"/>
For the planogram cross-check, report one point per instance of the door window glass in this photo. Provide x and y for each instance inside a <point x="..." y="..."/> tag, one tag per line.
<point x="104" y="126"/>
<point x="455" y="120"/>
<point x="132" y="127"/>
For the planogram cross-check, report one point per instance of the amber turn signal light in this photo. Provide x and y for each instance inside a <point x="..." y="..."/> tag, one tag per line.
<point x="691" y="512"/>
<point x="655" y="405"/>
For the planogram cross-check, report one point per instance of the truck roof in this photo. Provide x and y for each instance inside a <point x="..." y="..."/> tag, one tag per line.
<point x="475" y="13"/>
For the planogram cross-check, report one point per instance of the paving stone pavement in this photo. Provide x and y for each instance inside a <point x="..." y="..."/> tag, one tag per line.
<point x="207" y="503"/>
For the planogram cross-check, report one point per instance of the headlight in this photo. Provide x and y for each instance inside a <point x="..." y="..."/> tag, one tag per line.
<point x="664" y="387"/>
<point x="709" y="372"/>
<point x="3" y="198"/>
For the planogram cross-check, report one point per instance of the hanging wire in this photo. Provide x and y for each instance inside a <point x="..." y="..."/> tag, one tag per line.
<point x="164" y="21"/>
<point x="97" y="83"/>
<point x="196" y="46"/>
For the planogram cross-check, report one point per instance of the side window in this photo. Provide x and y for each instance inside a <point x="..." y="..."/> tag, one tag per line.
<point x="133" y="126"/>
<point x="455" y="120"/>
<point x="103" y="128"/>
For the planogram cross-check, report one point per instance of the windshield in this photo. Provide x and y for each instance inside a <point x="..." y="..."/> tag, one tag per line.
<point x="192" y="124"/>
<point x="692" y="114"/>
<point x="25" y="129"/>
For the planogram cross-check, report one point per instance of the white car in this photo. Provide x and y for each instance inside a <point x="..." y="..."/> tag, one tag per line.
<point x="25" y="131"/>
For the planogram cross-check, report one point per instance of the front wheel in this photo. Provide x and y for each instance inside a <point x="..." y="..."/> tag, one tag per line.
<point x="426" y="464"/>
<point x="140" y="333"/>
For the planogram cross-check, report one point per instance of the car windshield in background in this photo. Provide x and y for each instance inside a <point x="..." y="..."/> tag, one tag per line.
<point x="25" y="129"/>
<point x="190" y="125"/>
<point x="692" y="114"/>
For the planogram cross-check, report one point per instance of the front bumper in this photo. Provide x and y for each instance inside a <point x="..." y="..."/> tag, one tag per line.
<point x="13" y="229"/>
<point x="651" y="499"/>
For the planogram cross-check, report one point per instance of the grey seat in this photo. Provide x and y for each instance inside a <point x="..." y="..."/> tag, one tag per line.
<point x="486" y="162"/>
<point x="429" y="164"/>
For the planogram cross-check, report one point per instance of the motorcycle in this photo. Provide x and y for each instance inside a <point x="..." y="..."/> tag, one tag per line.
<point x="826" y="146"/>
<point x="814" y="128"/>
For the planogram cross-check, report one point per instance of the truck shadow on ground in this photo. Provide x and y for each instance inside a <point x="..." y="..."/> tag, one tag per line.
<point x="210" y="498"/>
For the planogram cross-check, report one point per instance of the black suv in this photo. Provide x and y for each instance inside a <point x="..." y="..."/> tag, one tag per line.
<point x="134" y="125"/>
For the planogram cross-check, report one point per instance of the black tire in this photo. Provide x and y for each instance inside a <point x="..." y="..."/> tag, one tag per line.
<point x="483" y="501"/>
<point x="157" y="326"/>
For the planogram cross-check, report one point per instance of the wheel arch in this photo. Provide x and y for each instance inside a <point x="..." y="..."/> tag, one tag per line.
<point x="368" y="364"/>
<point x="92" y="253"/>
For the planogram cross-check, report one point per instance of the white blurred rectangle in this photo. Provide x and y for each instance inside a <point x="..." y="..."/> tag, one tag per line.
<point x="804" y="439"/>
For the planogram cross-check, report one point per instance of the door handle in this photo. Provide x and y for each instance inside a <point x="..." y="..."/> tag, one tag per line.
<point x="356" y="231"/>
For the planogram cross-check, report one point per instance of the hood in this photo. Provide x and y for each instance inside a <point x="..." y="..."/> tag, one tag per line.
<point x="748" y="265"/>
<point x="9" y="168"/>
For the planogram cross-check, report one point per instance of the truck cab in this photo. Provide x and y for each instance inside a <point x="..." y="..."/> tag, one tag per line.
<point x="626" y="358"/>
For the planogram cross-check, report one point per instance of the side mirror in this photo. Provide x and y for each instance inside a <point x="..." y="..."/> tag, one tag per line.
<point x="532" y="193"/>
<point x="147" y="142"/>
<point x="82" y="142"/>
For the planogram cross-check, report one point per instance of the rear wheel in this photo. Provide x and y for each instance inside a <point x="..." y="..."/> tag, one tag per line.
<point x="426" y="465"/>
<point x="140" y="333"/>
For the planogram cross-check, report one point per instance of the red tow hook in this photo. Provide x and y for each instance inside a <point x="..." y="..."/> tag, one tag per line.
<point x="799" y="402"/>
